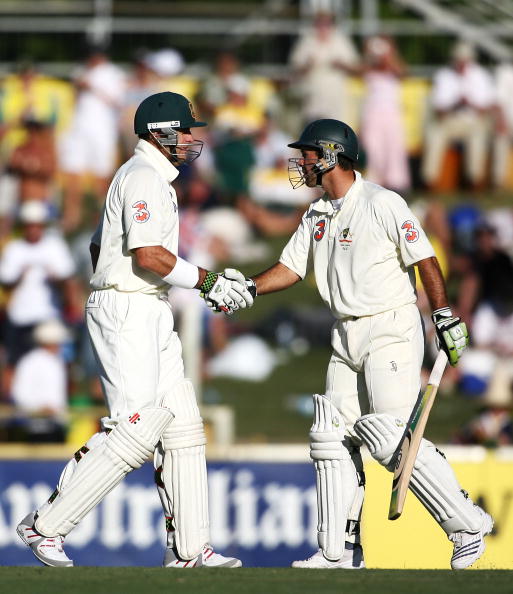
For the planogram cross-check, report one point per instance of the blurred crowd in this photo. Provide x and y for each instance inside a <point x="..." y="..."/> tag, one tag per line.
<point x="61" y="141"/>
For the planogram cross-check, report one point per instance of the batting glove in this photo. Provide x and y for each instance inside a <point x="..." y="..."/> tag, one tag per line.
<point x="226" y="292"/>
<point x="240" y="285"/>
<point x="451" y="333"/>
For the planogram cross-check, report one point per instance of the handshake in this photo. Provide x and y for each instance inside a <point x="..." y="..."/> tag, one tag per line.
<point x="228" y="291"/>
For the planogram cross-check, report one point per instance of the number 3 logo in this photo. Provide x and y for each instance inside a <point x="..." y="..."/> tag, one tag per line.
<point x="411" y="234"/>
<point x="142" y="214"/>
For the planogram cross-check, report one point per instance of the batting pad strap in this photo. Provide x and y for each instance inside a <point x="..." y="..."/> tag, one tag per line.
<point x="101" y="469"/>
<point x="381" y="433"/>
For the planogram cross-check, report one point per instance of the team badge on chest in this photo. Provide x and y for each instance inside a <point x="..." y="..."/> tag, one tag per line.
<point x="321" y="228"/>
<point x="345" y="238"/>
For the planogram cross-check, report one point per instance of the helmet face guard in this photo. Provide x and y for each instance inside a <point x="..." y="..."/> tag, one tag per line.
<point x="179" y="153"/>
<point x="327" y="159"/>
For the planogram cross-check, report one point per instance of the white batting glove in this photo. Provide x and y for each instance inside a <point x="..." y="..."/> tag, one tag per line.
<point x="240" y="286"/>
<point x="223" y="294"/>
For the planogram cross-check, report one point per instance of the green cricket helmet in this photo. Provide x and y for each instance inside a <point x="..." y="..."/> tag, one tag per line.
<point x="330" y="138"/>
<point x="163" y="115"/>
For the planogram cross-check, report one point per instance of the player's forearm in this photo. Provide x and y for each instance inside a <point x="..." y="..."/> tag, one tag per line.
<point x="276" y="278"/>
<point x="433" y="281"/>
<point x="162" y="262"/>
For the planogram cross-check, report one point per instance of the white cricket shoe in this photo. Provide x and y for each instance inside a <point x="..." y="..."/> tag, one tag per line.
<point x="469" y="546"/>
<point x="48" y="550"/>
<point x="207" y="558"/>
<point x="351" y="559"/>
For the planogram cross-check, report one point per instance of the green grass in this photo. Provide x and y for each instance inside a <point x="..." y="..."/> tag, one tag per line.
<point x="113" y="580"/>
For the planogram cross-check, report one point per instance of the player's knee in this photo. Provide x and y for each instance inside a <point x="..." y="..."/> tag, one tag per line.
<point x="381" y="433"/>
<point x="134" y="439"/>
<point x="187" y="429"/>
<point x="328" y="431"/>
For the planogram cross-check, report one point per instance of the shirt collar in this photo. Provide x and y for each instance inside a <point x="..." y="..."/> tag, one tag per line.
<point x="324" y="205"/>
<point x="168" y="171"/>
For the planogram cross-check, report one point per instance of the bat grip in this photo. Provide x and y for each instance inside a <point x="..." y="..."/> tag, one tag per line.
<point x="438" y="368"/>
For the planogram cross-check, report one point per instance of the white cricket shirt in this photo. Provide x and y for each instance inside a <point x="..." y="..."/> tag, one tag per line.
<point x="361" y="252"/>
<point x="140" y="210"/>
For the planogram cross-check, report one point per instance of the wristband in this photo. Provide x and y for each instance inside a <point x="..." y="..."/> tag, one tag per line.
<point x="184" y="274"/>
<point x="208" y="282"/>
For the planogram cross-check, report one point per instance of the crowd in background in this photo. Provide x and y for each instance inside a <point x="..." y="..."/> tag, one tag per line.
<point x="61" y="141"/>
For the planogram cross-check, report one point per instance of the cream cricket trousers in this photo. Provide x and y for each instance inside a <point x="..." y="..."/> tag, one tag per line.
<point x="139" y="355"/>
<point x="375" y="365"/>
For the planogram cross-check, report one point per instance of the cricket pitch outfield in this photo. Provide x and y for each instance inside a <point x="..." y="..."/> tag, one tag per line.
<point x="127" y="580"/>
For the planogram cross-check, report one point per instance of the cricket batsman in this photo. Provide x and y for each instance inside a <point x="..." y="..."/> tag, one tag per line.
<point x="152" y="406"/>
<point x="364" y="242"/>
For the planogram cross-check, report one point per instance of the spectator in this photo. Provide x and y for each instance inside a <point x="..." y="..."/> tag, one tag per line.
<point x="142" y="82"/>
<point x="382" y="129"/>
<point x="39" y="389"/>
<point x="487" y="288"/>
<point x="38" y="270"/>
<point x="214" y="88"/>
<point x="321" y="60"/>
<point x="504" y="128"/>
<point x="40" y="379"/>
<point x="273" y="207"/>
<point x="34" y="163"/>
<point x="235" y="122"/>
<point x="463" y="101"/>
<point x="492" y="293"/>
<point x="90" y="144"/>
<point x="237" y="115"/>
<point x="27" y="95"/>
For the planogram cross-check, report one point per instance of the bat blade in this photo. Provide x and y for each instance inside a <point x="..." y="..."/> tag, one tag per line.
<point x="410" y="442"/>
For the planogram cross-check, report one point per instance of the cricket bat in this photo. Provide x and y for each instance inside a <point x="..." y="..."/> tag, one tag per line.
<point x="410" y="442"/>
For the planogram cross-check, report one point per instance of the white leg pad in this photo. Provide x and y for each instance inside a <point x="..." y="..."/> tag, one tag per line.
<point x="337" y="481"/>
<point x="68" y="471"/>
<point x="127" y="447"/>
<point x="433" y="480"/>
<point x="184" y="472"/>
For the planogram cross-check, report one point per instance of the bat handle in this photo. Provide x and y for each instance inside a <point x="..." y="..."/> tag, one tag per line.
<point x="438" y="368"/>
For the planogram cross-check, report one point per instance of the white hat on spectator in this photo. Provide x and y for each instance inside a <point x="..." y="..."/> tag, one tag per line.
<point x="238" y="83"/>
<point x="51" y="332"/>
<point x="166" y="62"/>
<point x="33" y="211"/>
<point x="463" y="51"/>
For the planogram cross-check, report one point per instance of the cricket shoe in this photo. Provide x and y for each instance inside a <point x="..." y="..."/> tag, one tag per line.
<point x="351" y="559"/>
<point x="207" y="558"/>
<point x="469" y="546"/>
<point x="48" y="550"/>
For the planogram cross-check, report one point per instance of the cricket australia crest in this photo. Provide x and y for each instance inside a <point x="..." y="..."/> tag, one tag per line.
<point x="345" y="238"/>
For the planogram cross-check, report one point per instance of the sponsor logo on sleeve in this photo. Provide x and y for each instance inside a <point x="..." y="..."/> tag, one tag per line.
<point x="321" y="228"/>
<point x="142" y="213"/>
<point x="411" y="234"/>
